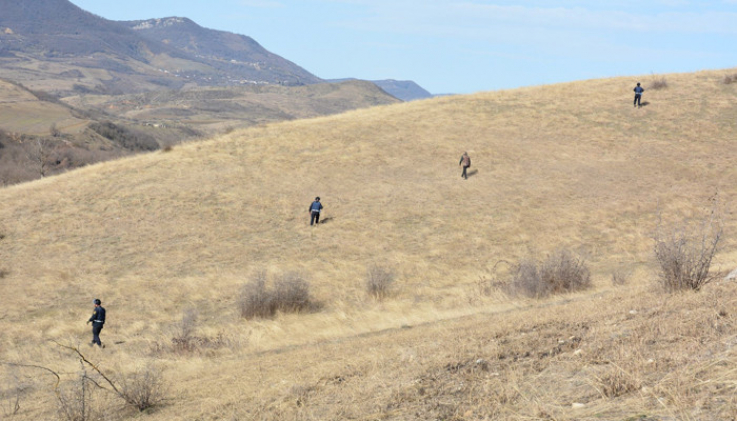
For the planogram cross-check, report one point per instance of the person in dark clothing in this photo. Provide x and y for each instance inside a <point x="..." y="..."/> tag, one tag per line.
<point x="465" y="162"/>
<point x="315" y="209"/>
<point x="98" y="321"/>
<point x="638" y="94"/>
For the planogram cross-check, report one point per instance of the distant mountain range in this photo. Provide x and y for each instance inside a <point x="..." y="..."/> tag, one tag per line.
<point x="85" y="53"/>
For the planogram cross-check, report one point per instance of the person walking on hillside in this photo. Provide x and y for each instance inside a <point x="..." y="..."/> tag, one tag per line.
<point x="97" y="320"/>
<point x="465" y="162"/>
<point x="638" y="95"/>
<point x="315" y="209"/>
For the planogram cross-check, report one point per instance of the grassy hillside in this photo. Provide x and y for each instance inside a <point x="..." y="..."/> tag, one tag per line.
<point x="214" y="110"/>
<point x="22" y="112"/>
<point x="570" y="165"/>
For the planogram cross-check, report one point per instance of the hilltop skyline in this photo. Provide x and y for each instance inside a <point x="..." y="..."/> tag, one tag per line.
<point x="468" y="46"/>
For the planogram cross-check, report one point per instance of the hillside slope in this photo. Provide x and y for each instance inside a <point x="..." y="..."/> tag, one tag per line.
<point x="571" y="165"/>
<point x="237" y="55"/>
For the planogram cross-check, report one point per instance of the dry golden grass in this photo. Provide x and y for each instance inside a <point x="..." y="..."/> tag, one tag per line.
<point x="570" y="165"/>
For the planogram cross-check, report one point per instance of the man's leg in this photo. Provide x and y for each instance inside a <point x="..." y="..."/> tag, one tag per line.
<point x="317" y="218"/>
<point x="464" y="175"/>
<point x="96" y="334"/>
<point x="634" y="104"/>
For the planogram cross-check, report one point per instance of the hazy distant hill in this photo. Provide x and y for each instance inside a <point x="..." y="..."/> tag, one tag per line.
<point x="406" y="90"/>
<point x="58" y="28"/>
<point x="134" y="56"/>
<point x="235" y="54"/>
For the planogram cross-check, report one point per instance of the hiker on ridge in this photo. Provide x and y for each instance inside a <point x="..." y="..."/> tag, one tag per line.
<point x="98" y="321"/>
<point x="315" y="209"/>
<point x="465" y="162"/>
<point x="638" y="94"/>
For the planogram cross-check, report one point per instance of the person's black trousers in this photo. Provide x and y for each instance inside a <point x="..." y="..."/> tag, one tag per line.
<point x="637" y="99"/>
<point x="96" y="328"/>
<point x="315" y="218"/>
<point x="464" y="175"/>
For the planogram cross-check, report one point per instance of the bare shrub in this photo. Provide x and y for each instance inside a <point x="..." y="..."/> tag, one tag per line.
<point x="144" y="388"/>
<point x="183" y="339"/>
<point x="561" y="272"/>
<point x="255" y="300"/>
<point x="379" y="281"/>
<point x="10" y="395"/>
<point x="290" y="294"/>
<point x="729" y="79"/>
<point x="685" y="253"/>
<point x="621" y="276"/>
<point x="75" y="400"/>
<point x="659" y="83"/>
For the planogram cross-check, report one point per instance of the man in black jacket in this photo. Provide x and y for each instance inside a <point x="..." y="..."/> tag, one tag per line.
<point x="97" y="320"/>
<point x="465" y="162"/>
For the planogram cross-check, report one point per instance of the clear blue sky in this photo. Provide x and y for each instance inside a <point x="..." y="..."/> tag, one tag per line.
<point x="466" y="46"/>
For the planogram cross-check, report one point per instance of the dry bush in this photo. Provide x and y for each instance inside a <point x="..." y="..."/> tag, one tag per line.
<point x="144" y="388"/>
<point x="379" y="281"/>
<point x="255" y="300"/>
<point x="729" y="79"/>
<point x="685" y="254"/>
<point x="290" y="294"/>
<point x="183" y="339"/>
<point x="560" y="272"/>
<point x="621" y="276"/>
<point x="658" y="83"/>
<point x="75" y="400"/>
<point x="10" y="395"/>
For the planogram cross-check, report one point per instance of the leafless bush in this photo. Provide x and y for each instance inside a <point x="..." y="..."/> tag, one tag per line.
<point x="290" y="294"/>
<point x="379" y="281"/>
<point x="659" y="83"/>
<point x="621" y="276"/>
<point x="10" y="395"/>
<point x="729" y="79"/>
<point x="255" y="301"/>
<point x="685" y="253"/>
<point x="144" y="388"/>
<point x="183" y="339"/>
<point x="561" y="272"/>
<point x="75" y="400"/>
